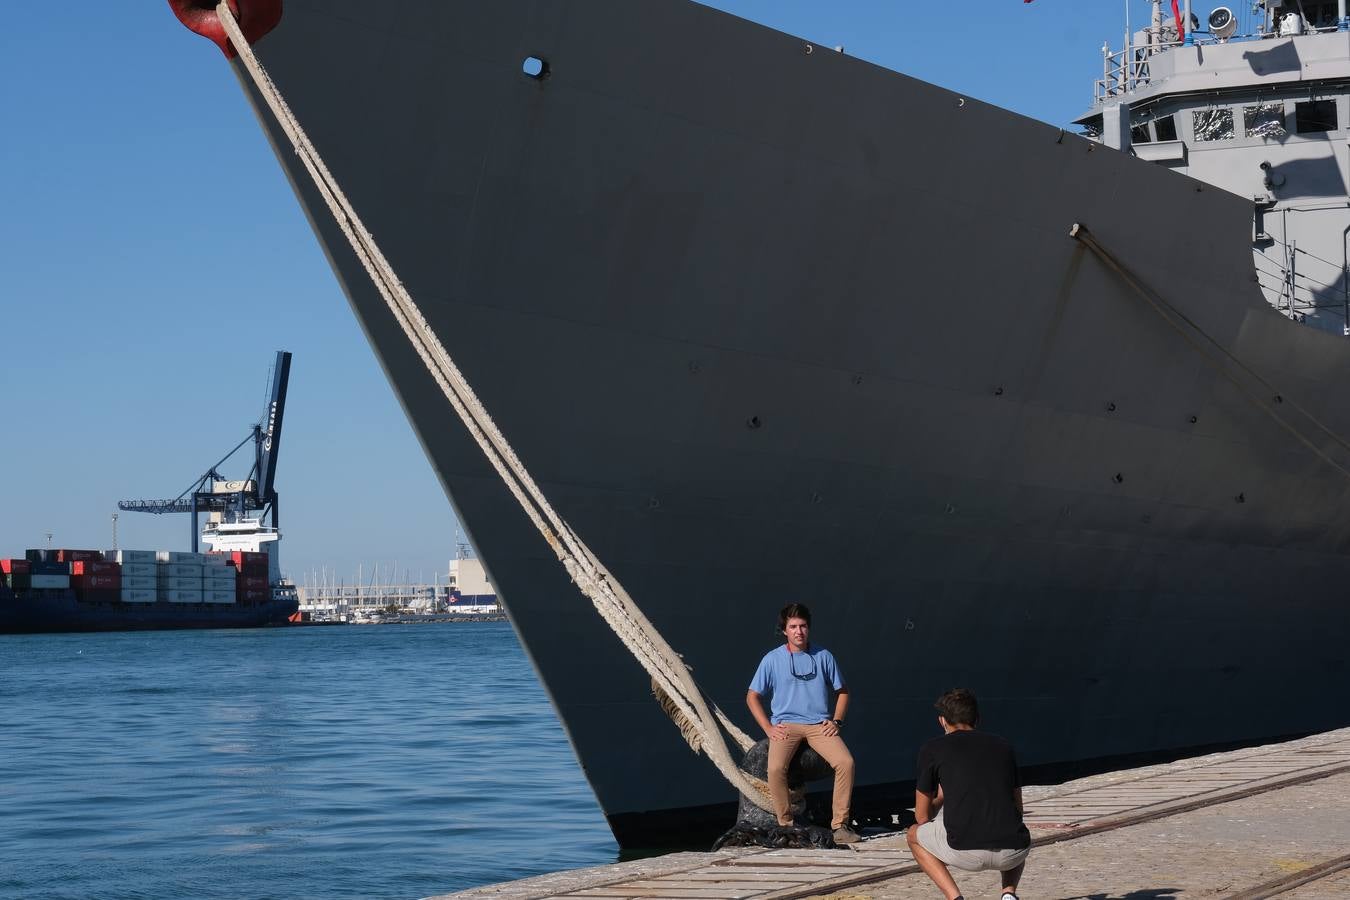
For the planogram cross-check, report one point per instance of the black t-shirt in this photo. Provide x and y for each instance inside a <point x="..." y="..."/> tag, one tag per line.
<point x="978" y="775"/>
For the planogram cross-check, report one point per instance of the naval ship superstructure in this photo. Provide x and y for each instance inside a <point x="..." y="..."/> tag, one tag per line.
<point x="760" y="339"/>
<point x="1262" y="115"/>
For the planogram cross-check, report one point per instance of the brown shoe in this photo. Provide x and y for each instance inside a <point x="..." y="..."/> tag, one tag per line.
<point x="845" y="835"/>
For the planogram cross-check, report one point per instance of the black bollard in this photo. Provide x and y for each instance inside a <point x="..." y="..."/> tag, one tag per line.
<point x="756" y="827"/>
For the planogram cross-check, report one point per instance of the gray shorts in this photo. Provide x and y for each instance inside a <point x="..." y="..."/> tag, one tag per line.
<point x="933" y="838"/>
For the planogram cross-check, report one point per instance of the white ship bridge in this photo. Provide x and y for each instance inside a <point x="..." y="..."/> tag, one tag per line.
<point x="1256" y="103"/>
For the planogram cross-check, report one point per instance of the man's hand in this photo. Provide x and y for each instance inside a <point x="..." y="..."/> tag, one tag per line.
<point x="829" y="728"/>
<point x="756" y="705"/>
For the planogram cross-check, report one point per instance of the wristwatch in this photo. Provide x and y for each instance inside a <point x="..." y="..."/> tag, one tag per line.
<point x="838" y="723"/>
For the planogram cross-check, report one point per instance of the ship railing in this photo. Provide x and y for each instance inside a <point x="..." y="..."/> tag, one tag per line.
<point x="1122" y="74"/>
<point x="1124" y="71"/>
<point x="1300" y="283"/>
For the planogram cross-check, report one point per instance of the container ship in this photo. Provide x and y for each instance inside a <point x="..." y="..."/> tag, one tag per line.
<point x="237" y="583"/>
<point x="767" y="323"/>
<point x="127" y="590"/>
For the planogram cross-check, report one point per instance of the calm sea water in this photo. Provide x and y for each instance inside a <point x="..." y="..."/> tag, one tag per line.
<point x="361" y="761"/>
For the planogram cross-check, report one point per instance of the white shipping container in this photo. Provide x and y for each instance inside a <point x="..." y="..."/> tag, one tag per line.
<point x="130" y="595"/>
<point x="179" y="556"/>
<point x="140" y="583"/>
<point x="181" y="596"/>
<point x="139" y="569"/>
<point x="220" y="574"/>
<point x="217" y="596"/>
<point x="50" y="582"/>
<point x="130" y="556"/>
<point x="170" y="583"/>
<point x="178" y="570"/>
<point x="214" y="560"/>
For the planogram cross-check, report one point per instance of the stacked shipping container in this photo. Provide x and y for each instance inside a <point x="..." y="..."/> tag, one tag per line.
<point x="17" y="574"/>
<point x="140" y="581"/>
<point x="219" y="579"/>
<point x="180" y="576"/>
<point x="49" y="576"/>
<point x="143" y="576"/>
<point x="251" y="584"/>
<point x="96" y="580"/>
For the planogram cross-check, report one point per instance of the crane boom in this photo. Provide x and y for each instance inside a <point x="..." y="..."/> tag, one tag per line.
<point x="158" y="507"/>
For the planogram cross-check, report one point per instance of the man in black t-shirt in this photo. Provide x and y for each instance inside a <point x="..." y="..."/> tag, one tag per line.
<point x="968" y="801"/>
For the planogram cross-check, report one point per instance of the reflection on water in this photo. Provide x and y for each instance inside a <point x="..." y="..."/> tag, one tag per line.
<point x="389" y="761"/>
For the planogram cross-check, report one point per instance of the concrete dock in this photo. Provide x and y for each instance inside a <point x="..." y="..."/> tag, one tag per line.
<point x="1261" y="822"/>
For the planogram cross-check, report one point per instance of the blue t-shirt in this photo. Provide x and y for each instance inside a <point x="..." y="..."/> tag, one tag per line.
<point x="797" y="684"/>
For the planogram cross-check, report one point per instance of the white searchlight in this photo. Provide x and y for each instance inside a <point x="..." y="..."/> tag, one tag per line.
<point x="1222" y="23"/>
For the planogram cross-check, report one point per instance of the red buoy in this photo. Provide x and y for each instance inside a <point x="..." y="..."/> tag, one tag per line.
<point x="255" y="18"/>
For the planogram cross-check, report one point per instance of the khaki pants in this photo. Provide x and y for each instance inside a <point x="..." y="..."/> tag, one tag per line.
<point x="831" y="749"/>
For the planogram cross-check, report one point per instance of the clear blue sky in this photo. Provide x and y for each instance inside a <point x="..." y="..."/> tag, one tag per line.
<point x="153" y="259"/>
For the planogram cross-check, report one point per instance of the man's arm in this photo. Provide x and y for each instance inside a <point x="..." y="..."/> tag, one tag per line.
<point x="756" y="705"/>
<point x="840" y="710"/>
<point x="926" y="807"/>
<point x="923" y="808"/>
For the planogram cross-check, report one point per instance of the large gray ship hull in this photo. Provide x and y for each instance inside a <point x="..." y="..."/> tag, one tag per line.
<point x="770" y="323"/>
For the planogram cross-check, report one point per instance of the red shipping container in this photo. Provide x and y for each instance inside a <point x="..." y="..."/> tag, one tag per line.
<point x="102" y="595"/>
<point x="95" y="567"/>
<point x="74" y="555"/>
<point x="249" y="563"/>
<point x="253" y="596"/>
<point x="15" y="566"/>
<point x="251" y="583"/>
<point x="96" y="582"/>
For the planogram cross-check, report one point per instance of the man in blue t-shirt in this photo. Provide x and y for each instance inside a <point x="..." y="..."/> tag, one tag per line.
<point x="798" y="679"/>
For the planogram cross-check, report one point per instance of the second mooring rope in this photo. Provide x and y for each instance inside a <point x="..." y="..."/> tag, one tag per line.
<point x="1197" y="338"/>
<point x="700" y="721"/>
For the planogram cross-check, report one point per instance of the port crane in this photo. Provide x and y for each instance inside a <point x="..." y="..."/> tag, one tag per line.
<point x="233" y="500"/>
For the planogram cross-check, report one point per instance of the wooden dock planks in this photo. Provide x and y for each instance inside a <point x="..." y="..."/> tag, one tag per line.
<point x="789" y="874"/>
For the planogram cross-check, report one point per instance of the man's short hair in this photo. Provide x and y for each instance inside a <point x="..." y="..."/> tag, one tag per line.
<point x="793" y="611"/>
<point x="959" y="707"/>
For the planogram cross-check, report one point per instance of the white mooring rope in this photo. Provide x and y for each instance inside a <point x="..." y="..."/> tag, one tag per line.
<point x="672" y="683"/>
